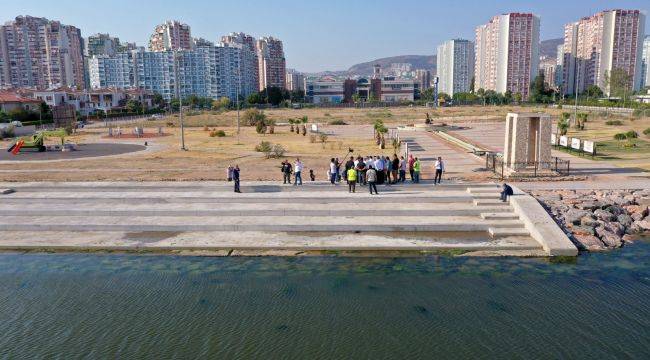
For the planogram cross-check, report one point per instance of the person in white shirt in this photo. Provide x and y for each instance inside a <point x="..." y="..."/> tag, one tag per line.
<point x="379" y="167"/>
<point x="333" y="173"/>
<point x="440" y="168"/>
<point x="297" y="169"/>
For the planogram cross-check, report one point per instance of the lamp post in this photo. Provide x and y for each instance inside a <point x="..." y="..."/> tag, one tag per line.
<point x="180" y="100"/>
<point x="238" y="90"/>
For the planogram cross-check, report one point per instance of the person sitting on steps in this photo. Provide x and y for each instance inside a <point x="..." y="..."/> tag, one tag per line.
<point x="506" y="192"/>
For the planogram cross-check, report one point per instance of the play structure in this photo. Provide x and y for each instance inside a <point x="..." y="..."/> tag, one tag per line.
<point x="36" y="142"/>
<point x="134" y="133"/>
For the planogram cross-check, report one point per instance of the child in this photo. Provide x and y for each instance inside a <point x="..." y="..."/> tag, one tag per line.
<point x="312" y="176"/>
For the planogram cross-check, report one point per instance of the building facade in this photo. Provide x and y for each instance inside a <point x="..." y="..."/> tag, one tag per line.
<point x="324" y="91"/>
<point x="272" y="63"/>
<point x="101" y="44"/>
<point x="247" y="42"/>
<point x="596" y="45"/>
<point x="172" y="35"/>
<point x="645" y="63"/>
<point x="40" y="53"/>
<point x="507" y="53"/>
<point x="295" y="81"/>
<point x="423" y="78"/>
<point x="116" y="71"/>
<point x="455" y="66"/>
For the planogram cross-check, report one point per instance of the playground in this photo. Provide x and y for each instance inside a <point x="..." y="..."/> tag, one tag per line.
<point x="81" y="151"/>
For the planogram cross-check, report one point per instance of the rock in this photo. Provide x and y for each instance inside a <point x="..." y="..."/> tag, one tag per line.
<point x="589" y="205"/>
<point x="637" y="216"/>
<point x="627" y="238"/>
<point x="583" y="230"/>
<point x="615" y="228"/>
<point x="643" y="224"/>
<point x="589" y="242"/>
<point x="625" y="220"/>
<point x="609" y="238"/>
<point x="616" y="210"/>
<point x="604" y="215"/>
<point x="573" y="216"/>
<point x="633" y="229"/>
<point x="588" y="220"/>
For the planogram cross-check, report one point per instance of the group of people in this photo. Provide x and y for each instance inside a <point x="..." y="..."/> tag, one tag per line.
<point x="369" y="170"/>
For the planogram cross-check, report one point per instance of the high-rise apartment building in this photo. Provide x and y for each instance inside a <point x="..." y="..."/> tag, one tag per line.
<point x="507" y="53"/>
<point x="101" y="44"/>
<point x="247" y="42"/>
<point x="116" y="71"/>
<point x="295" y="81"/>
<point x="423" y="78"/>
<point x="39" y="53"/>
<point x="455" y="66"/>
<point x="645" y="63"/>
<point x="172" y="35"/>
<point x="272" y="64"/>
<point x="596" y="45"/>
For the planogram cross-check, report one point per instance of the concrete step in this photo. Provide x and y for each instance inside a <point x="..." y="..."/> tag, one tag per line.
<point x="485" y="196"/>
<point x="503" y="232"/>
<point x="484" y="190"/>
<point x="489" y="202"/>
<point x="499" y="216"/>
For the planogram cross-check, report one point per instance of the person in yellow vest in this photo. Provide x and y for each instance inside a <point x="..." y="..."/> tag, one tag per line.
<point x="352" y="179"/>
<point x="417" y="167"/>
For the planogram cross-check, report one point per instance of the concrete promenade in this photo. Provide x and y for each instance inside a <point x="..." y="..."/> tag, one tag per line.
<point x="266" y="218"/>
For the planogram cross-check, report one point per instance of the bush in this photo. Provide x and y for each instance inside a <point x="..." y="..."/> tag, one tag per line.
<point x="260" y="127"/>
<point x="322" y="137"/>
<point x="217" y="133"/>
<point x="278" y="151"/>
<point x="646" y="132"/>
<point x="253" y="116"/>
<point x="312" y="138"/>
<point x="631" y="134"/>
<point x="614" y="122"/>
<point x="337" y="122"/>
<point x="7" y="132"/>
<point x="620" y="136"/>
<point x="264" y="147"/>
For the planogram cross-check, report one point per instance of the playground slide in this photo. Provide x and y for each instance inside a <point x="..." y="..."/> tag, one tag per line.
<point x="11" y="147"/>
<point x="17" y="147"/>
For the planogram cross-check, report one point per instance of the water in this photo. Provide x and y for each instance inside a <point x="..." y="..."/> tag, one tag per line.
<point x="125" y="306"/>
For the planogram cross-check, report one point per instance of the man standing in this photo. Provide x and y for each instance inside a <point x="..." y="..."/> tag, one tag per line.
<point x="286" y="172"/>
<point x="395" y="168"/>
<point x="298" y="172"/>
<point x="402" y="169"/>
<point x="371" y="176"/>
<point x="410" y="164"/>
<point x="440" y="168"/>
<point x="361" y="171"/>
<point x="235" y="178"/>
<point x="416" y="170"/>
<point x="229" y="172"/>
<point x="379" y="167"/>
<point x="348" y="165"/>
<point x="333" y="173"/>
<point x="352" y="180"/>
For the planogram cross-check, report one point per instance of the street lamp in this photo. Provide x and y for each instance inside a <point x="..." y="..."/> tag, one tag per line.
<point x="180" y="100"/>
<point x="238" y="90"/>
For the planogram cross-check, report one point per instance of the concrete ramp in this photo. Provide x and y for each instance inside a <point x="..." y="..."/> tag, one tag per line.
<point x="194" y="216"/>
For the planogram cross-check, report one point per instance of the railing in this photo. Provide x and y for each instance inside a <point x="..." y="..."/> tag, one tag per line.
<point x="496" y="164"/>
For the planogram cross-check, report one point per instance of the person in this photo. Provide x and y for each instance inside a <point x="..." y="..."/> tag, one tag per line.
<point x="395" y="168"/>
<point x="352" y="180"/>
<point x="371" y="176"/>
<point x="402" y="169"/>
<point x="235" y="177"/>
<point x="332" y="172"/>
<point x="286" y="171"/>
<point x="229" y="172"/>
<point x="411" y="162"/>
<point x="440" y="168"/>
<point x="312" y="176"/>
<point x="297" y="170"/>
<point x="416" y="170"/>
<point x="348" y="165"/>
<point x="379" y="167"/>
<point x="338" y="170"/>
<point x="388" y="170"/>
<point x="506" y="192"/>
<point x="361" y="171"/>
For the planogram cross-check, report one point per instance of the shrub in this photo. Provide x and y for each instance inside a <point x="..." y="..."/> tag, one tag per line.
<point x="253" y="116"/>
<point x="614" y="122"/>
<point x="322" y="137"/>
<point x="264" y="147"/>
<point x="312" y="138"/>
<point x="278" y="151"/>
<point x="620" y="136"/>
<point x="327" y="114"/>
<point x="217" y="133"/>
<point x="337" y="122"/>
<point x="260" y="127"/>
<point x="631" y="134"/>
<point x="646" y="132"/>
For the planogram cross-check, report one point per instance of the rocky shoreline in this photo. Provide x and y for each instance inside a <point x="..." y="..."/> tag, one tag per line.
<point x="599" y="220"/>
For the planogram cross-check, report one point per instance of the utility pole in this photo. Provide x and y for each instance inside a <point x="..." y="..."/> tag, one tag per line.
<point x="180" y="99"/>
<point x="575" y="90"/>
<point x="238" y="90"/>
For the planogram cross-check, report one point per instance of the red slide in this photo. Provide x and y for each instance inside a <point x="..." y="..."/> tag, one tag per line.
<point x="17" y="147"/>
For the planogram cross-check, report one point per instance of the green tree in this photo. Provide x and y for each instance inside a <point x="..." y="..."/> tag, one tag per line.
<point x="619" y="82"/>
<point x="134" y="106"/>
<point x="158" y="100"/>
<point x="593" y="92"/>
<point x="254" y="98"/>
<point x="253" y="116"/>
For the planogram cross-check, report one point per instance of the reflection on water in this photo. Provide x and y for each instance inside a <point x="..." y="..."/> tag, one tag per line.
<point x="75" y="305"/>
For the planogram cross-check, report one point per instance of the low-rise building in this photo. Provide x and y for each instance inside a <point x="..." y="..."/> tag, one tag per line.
<point x="10" y="101"/>
<point x="324" y="91"/>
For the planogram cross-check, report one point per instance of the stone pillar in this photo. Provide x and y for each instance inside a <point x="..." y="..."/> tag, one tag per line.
<point x="527" y="140"/>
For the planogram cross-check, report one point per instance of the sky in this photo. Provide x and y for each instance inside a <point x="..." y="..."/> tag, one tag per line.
<point x="317" y="35"/>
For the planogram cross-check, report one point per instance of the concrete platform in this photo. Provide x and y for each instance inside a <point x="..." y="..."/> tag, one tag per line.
<point x="316" y="217"/>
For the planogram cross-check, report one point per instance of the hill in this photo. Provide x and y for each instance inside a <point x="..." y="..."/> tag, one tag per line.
<point x="548" y="47"/>
<point x="417" y="62"/>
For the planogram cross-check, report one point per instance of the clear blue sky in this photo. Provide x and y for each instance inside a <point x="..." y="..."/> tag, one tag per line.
<point x="317" y="35"/>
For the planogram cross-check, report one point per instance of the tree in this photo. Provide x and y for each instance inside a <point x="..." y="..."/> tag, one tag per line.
<point x="254" y="99"/>
<point x="274" y="95"/>
<point x="539" y="91"/>
<point x="356" y="98"/>
<point x="618" y="82"/>
<point x="222" y="103"/>
<point x="593" y="92"/>
<point x="298" y="96"/>
<point x="158" y="100"/>
<point x="134" y="106"/>
<point x="254" y="116"/>
<point x="581" y="120"/>
<point x="563" y="126"/>
<point x="427" y="95"/>
<point x="444" y="97"/>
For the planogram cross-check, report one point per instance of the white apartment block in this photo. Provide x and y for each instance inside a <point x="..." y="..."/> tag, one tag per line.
<point x="507" y="53"/>
<point x="115" y="71"/>
<point x="455" y="66"/>
<point x="645" y="63"/>
<point x="596" y="45"/>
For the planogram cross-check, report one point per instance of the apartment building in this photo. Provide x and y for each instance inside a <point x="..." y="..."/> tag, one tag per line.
<point x="295" y="81"/>
<point x="455" y="66"/>
<point x="507" y="53"/>
<point x="645" y="63"/>
<point x="272" y="63"/>
<point x="40" y="53"/>
<point x="247" y="42"/>
<point x="395" y="89"/>
<point x="172" y="35"/>
<point x="598" y="44"/>
<point x="101" y="44"/>
<point x="423" y="79"/>
<point x="116" y="71"/>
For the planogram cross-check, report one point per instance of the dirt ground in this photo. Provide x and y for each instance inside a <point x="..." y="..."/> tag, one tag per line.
<point x="207" y="157"/>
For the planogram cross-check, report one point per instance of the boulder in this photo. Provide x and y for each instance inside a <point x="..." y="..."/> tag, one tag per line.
<point x="624" y="219"/>
<point x="588" y="220"/>
<point x="589" y="243"/>
<point x="615" y="228"/>
<point x="616" y="210"/>
<point x="644" y="224"/>
<point x="604" y="215"/>
<point x="589" y="205"/>
<point x="609" y="238"/>
<point x="583" y="230"/>
<point x="573" y="216"/>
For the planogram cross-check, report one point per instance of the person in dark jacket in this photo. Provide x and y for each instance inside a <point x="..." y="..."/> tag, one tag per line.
<point x="506" y="192"/>
<point x="286" y="172"/>
<point x="235" y="178"/>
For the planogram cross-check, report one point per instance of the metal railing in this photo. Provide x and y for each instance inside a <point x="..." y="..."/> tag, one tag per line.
<point x="561" y="167"/>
